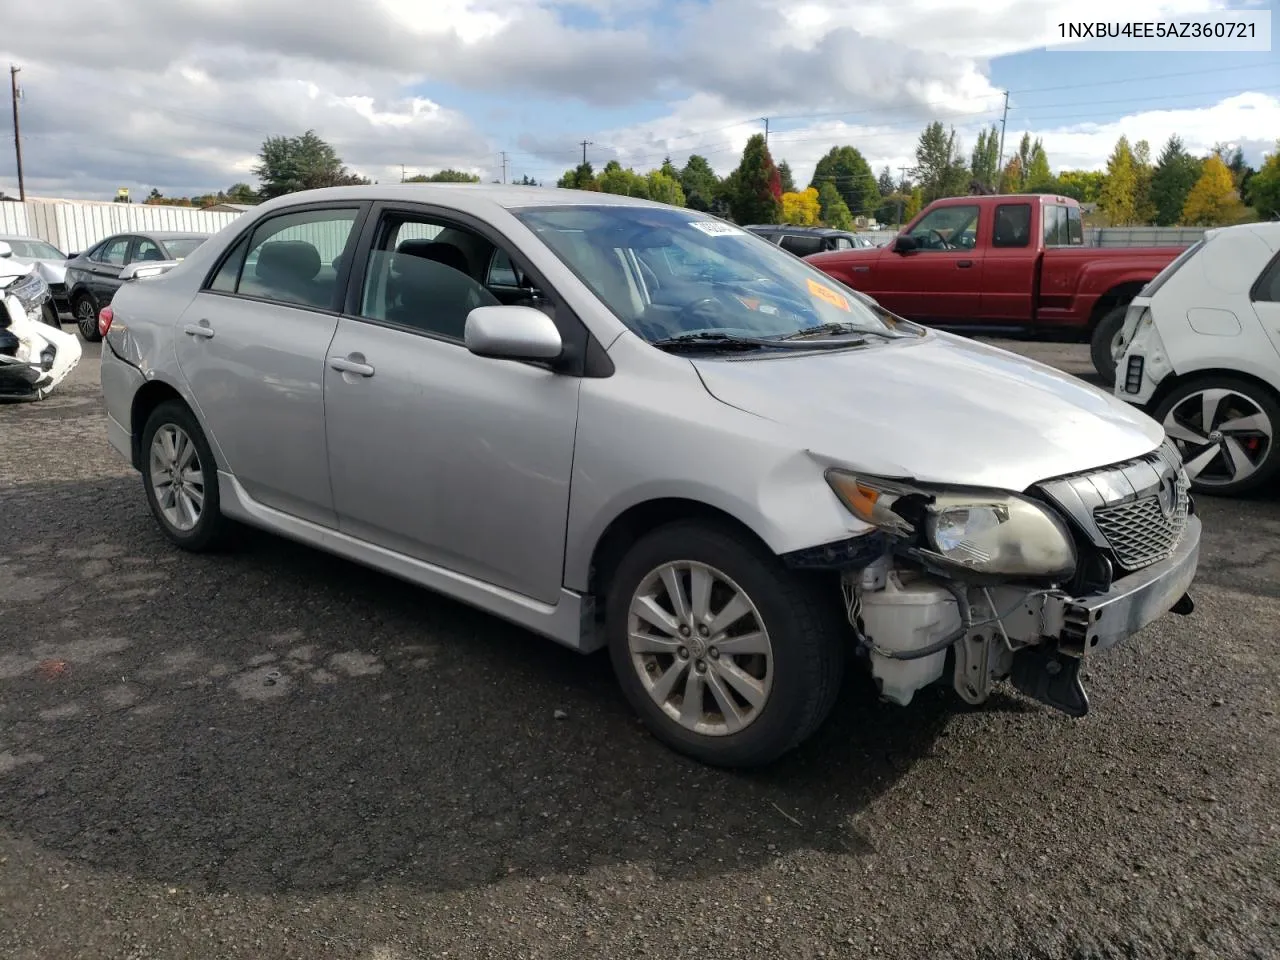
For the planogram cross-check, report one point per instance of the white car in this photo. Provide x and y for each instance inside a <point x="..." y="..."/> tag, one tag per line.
<point x="1200" y="351"/>
<point x="34" y="356"/>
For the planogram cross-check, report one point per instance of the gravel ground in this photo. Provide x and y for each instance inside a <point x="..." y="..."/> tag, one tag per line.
<point x="274" y="753"/>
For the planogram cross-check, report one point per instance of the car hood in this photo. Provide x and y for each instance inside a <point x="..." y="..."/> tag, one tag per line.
<point x="940" y="409"/>
<point x="53" y="271"/>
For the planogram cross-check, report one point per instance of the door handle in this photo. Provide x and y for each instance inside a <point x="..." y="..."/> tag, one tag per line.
<point x="352" y="364"/>
<point x="962" y="264"/>
<point x="201" y="329"/>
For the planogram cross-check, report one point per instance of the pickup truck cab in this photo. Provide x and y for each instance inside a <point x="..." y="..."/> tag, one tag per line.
<point x="1013" y="263"/>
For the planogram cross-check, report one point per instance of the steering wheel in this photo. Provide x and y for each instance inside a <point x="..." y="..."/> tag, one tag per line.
<point x="941" y="239"/>
<point x="701" y="314"/>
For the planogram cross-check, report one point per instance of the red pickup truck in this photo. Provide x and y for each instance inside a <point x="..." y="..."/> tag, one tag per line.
<point x="1004" y="264"/>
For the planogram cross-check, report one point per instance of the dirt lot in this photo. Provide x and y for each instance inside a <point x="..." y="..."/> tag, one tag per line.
<point x="273" y="753"/>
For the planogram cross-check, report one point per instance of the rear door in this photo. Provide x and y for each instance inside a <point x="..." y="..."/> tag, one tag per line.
<point x="106" y="264"/>
<point x="1009" y="268"/>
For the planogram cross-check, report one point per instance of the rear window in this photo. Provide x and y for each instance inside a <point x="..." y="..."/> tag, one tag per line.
<point x="1161" y="278"/>
<point x="801" y="246"/>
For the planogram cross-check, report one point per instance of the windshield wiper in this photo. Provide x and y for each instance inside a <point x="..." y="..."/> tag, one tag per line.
<point x="838" y="328"/>
<point x="726" y="341"/>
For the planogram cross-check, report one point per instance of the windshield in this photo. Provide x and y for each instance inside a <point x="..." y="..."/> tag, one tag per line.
<point x="35" y="250"/>
<point x="182" y="247"/>
<point x="668" y="273"/>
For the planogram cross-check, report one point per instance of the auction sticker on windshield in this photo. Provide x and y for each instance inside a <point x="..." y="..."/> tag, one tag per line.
<point x="827" y="295"/>
<point x="713" y="229"/>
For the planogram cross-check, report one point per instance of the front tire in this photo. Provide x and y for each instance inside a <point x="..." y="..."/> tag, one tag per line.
<point x="1103" y="343"/>
<point x="1225" y="428"/>
<point x="181" y="478"/>
<point x="727" y="656"/>
<point x="86" y="312"/>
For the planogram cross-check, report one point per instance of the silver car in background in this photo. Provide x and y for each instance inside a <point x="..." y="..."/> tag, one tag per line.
<point x="626" y="425"/>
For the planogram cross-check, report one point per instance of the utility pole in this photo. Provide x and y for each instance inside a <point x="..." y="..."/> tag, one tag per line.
<point x="902" y="189"/>
<point x="504" y="165"/>
<point x="402" y="173"/>
<point x="585" y="144"/>
<point x="17" y="132"/>
<point x="1000" y="162"/>
<point x="766" y="130"/>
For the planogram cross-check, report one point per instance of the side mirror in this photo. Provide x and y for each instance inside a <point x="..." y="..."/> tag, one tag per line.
<point x="904" y="244"/>
<point x="5" y="249"/>
<point x="147" y="268"/>
<point x="512" y="333"/>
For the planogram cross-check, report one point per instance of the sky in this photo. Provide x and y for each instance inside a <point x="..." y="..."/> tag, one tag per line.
<point x="178" y="95"/>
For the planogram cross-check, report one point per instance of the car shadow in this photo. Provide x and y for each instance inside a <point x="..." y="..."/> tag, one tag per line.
<point x="275" y="718"/>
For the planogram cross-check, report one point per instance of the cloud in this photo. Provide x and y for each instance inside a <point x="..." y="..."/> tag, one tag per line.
<point x="180" y="94"/>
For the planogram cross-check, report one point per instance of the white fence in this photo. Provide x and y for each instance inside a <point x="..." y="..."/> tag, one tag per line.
<point x="75" y="225"/>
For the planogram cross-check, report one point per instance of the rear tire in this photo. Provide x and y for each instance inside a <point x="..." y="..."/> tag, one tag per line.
<point x="181" y="479"/>
<point x="86" y="311"/>
<point x="1103" y="342"/>
<point x="765" y="680"/>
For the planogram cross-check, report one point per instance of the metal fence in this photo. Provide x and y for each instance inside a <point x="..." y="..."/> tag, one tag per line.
<point x="1144" y="236"/>
<point x="75" y="225"/>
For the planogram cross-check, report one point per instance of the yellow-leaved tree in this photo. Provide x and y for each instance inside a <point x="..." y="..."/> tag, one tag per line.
<point x="801" y="208"/>
<point x="1213" y="201"/>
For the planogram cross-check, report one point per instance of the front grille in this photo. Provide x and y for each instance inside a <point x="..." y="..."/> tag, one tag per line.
<point x="1143" y="532"/>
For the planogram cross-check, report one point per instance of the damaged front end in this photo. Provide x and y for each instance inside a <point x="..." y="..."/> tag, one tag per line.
<point x="1017" y="586"/>
<point x="34" y="357"/>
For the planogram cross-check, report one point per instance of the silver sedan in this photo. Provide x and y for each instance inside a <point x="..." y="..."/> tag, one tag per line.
<point x="627" y="425"/>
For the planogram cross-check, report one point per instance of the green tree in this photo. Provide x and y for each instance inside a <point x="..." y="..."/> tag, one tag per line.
<point x="665" y="188"/>
<point x="699" y="183"/>
<point x="940" y="169"/>
<point x="887" y="212"/>
<point x="785" y="177"/>
<point x="581" y="177"/>
<point x="627" y="183"/>
<point x="1144" y="207"/>
<point x="527" y="181"/>
<point x="835" y="212"/>
<point x="757" y="197"/>
<point x="290" y="164"/>
<point x="1118" y="199"/>
<point x="848" y="171"/>
<point x="445" y="176"/>
<point x="1083" y="186"/>
<point x="1175" y="173"/>
<point x="241" y="193"/>
<point x="915" y="203"/>
<point x="1039" y="177"/>
<point x="984" y="163"/>
<point x="669" y="169"/>
<point x="1214" y="200"/>
<point x="1264" y="187"/>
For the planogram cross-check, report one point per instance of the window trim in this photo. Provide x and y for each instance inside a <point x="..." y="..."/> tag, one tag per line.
<point x="361" y="208"/>
<point x="977" y="228"/>
<point x="1079" y="219"/>
<point x="1256" y="287"/>
<point x="995" y="213"/>
<point x="583" y="356"/>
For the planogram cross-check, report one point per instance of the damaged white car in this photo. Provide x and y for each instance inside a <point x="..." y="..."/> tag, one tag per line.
<point x="626" y="425"/>
<point x="34" y="356"/>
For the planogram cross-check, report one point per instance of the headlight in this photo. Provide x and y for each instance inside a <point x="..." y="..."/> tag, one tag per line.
<point x="31" y="291"/>
<point x="985" y="532"/>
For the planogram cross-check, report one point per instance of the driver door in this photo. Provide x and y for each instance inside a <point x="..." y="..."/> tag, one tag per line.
<point x="941" y="281"/>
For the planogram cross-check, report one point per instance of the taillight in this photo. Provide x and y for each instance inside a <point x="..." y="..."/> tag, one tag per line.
<point x="105" y="316"/>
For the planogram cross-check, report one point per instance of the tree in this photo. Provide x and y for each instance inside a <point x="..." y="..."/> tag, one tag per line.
<point x="804" y="209"/>
<point x="835" y="212"/>
<point x="627" y="183"/>
<point x="940" y="170"/>
<point x="699" y="183"/>
<point x="887" y="212"/>
<point x="581" y="177"/>
<point x="757" y="197"/>
<point x="848" y="171"/>
<point x="1084" y="186"/>
<point x="1144" y="208"/>
<point x="1039" y="177"/>
<point x="984" y="163"/>
<point x="1175" y="173"/>
<point x="665" y="188"/>
<point x="1264" y="187"/>
<point x="1011" y="178"/>
<point x="1213" y="201"/>
<point x="241" y="193"/>
<point x="290" y="164"/>
<point x="915" y="203"/>
<point x="154" y="197"/>
<point x="448" y="175"/>
<point x="785" y="178"/>
<point x="1118" y="197"/>
<point x="527" y="181"/>
<point x="669" y="169"/>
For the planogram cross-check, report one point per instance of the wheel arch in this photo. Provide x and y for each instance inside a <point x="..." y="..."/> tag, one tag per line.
<point x="1179" y="378"/>
<point x="1117" y="295"/>
<point x="149" y="396"/>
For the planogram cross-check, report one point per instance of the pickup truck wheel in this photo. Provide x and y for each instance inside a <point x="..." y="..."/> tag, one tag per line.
<point x="86" y="311"/>
<point x="1225" y="429"/>
<point x="728" y="656"/>
<point x="1105" y="340"/>
<point x="181" y="479"/>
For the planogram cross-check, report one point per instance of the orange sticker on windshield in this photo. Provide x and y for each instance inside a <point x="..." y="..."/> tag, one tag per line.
<point x="827" y="294"/>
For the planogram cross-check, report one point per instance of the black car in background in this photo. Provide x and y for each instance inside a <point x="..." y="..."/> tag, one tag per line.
<point x="803" y="241"/>
<point x="93" y="277"/>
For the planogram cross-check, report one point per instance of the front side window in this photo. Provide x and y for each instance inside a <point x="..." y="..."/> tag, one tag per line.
<point x="113" y="252"/>
<point x="947" y="228"/>
<point x="667" y="273"/>
<point x="291" y="258"/>
<point x="422" y="275"/>
<point x="1012" y="225"/>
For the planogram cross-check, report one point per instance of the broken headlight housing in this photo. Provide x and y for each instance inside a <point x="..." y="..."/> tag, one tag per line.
<point x="982" y="532"/>
<point x="32" y="291"/>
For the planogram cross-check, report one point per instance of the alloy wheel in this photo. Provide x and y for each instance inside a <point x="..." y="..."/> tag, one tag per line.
<point x="177" y="478"/>
<point x="85" y="318"/>
<point x="700" y="648"/>
<point x="1224" y="436"/>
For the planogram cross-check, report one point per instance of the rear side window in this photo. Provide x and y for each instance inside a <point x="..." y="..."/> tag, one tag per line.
<point x="294" y="258"/>
<point x="1267" y="287"/>
<point x="1012" y="226"/>
<point x="1055" y="225"/>
<point x="1075" y="227"/>
<point x="801" y="246"/>
<point x="228" y="275"/>
<point x="1163" y="276"/>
